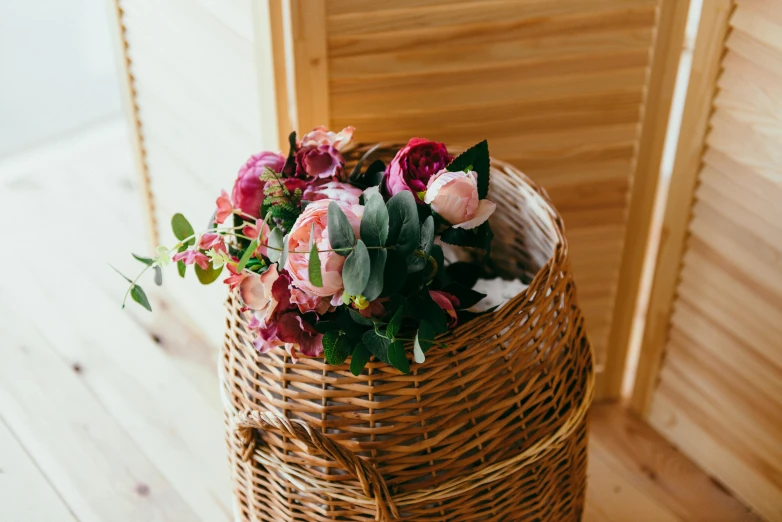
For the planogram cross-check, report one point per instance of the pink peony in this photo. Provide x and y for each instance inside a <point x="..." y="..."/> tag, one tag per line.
<point x="414" y="165"/>
<point x="297" y="264"/>
<point x="454" y="196"/>
<point x="333" y="190"/>
<point x="448" y="302"/>
<point x="248" y="188"/>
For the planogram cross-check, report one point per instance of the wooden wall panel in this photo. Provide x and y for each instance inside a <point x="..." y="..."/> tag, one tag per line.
<point x="716" y="308"/>
<point x="560" y="89"/>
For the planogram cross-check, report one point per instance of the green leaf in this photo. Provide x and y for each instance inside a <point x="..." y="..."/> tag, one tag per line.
<point x="374" y="222"/>
<point x="126" y="278"/>
<point x="325" y="326"/>
<point x="275" y="242"/>
<point x="430" y="311"/>
<point x="209" y="275"/>
<point x="403" y="226"/>
<point x="336" y="347"/>
<point x="394" y="274"/>
<point x="397" y="356"/>
<point x="476" y="157"/>
<point x="158" y="275"/>
<point x="359" y="359"/>
<point x="479" y="237"/>
<point x="360" y="319"/>
<point x="377" y="345"/>
<point x="181" y="268"/>
<point x="247" y="255"/>
<point x="377" y="266"/>
<point x="467" y="296"/>
<point x="284" y="254"/>
<point x="316" y="278"/>
<point x="341" y="234"/>
<point x="374" y="173"/>
<point x="395" y="323"/>
<point x="181" y="227"/>
<point x="355" y="271"/>
<point x="425" y="335"/>
<point x="138" y="295"/>
<point x="357" y="169"/>
<point x="417" y="260"/>
<point x="146" y="260"/>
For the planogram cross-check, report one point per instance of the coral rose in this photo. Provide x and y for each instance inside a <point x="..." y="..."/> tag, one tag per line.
<point x="454" y="196"/>
<point x="316" y="215"/>
<point x="414" y="165"/>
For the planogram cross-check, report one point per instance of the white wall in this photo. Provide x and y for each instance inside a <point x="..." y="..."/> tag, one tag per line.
<point x="57" y="70"/>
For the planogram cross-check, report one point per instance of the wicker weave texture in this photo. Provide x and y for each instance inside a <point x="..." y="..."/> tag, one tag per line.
<point x="492" y="427"/>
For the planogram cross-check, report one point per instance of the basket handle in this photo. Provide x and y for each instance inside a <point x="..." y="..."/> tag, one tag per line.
<point x="372" y="482"/>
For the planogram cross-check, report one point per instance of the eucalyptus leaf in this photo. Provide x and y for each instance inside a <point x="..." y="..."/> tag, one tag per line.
<point x="425" y="335"/>
<point x="397" y="357"/>
<point x="316" y="278"/>
<point x="181" y="227"/>
<point x="284" y="254"/>
<point x="146" y="260"/>
<point x="359" y="359"/>
<point x="394" y="274"/>
<point x="377" y="266"/>
<point x="275" y="242"/>
<point x="138" y="295"/>
<point x="374" y="222"/>
<point x="356" y="270"/>
<point x="158" y="275"/>
<point x="208" y="276"/>
<point x="426" y="240"/>
<point x="403" y="225"/>
<point x="246" y="256"/>
<point x="336" y="347"/>
<point x="377" y="345"/>
<point x="341" y="235"/>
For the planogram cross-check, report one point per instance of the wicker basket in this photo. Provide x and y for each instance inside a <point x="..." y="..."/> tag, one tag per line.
<point x="493" y="427"/>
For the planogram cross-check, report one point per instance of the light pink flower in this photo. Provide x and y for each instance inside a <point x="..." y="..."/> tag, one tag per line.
<point x="448" y="302"/>
<point x="224" y="207"/>
<point x="297" y="265"/>
<point x="190" y="256"/>
<point x="248" y="188"/>
<point x="333" y="190"/>
<point x="454" y="196"/>
<point x="257" y="293"/>
<point x="322" y="136"/>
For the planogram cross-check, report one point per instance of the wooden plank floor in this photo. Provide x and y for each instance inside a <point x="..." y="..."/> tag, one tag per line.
<point x="114" y="415"/>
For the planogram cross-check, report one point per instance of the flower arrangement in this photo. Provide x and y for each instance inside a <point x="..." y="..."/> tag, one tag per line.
<point x="344" y="264"/>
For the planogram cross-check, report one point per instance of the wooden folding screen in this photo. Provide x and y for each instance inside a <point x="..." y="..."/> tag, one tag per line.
<point x="716" y="307"/>
<point x="574" y="92"/>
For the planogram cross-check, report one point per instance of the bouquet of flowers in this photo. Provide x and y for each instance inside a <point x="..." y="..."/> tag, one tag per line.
<point x="344" y="264"/>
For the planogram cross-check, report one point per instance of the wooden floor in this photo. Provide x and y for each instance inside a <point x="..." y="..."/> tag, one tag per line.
<point x="111" y="415"/>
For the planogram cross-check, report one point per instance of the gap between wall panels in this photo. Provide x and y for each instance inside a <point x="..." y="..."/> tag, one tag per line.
<point x="660" y="201"/>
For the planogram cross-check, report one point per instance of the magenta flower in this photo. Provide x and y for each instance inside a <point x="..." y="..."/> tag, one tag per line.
<point x="224" y="207"/>
<point x="412" y="166"/>
<point x="235" y="278"/>
<point x="319" y="154"/>
<point x="248" y="188"/>
<point x="190" y="257"/>
<point x="211" y="241"/>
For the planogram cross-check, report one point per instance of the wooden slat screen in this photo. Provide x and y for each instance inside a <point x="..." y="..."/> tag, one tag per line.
<point x="718" y="394"/>
<point x="558" y="88"/>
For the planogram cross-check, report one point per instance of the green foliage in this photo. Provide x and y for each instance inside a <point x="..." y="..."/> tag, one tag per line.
<point x="158" y="275"/>
<point x="377" y="345"/>
<point x="475" y="158"/>
<point x="336" y="347"/>
<point x="377" y="266"/>
<point x="208" y="276"/>
<point x="395" y="323"/>
<point x="138" y="295"/>
<point x="359" y="359"/>
<point x="374" y="222"/>
<point x="360" y="319"/>
<point x="417" y="260"/>
<point x="275" y="244"/>
<point x="316" y="278"/>
<point x="394" y="274"/>
<point x="355" y="271"/>
<point x="282" y="205"/>
<point x="425" y="335"/>
<point x="467" y="296"/>
<point x="247" y="255"/>
<point x="403" y="226"/>
<point x="479" y="237"/>
<point x="397" y="357"/>
<point x="341" y="234"/>
<point x="182" y="228"/>
<point x="146" y="260"/>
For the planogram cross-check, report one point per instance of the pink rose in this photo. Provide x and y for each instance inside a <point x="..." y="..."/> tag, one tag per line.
<point x="248" y="188"/>
<point x="331" y="263"/>
<point x="333" y="190"/>
<point x="448" y="302"/>
<point x="414" y="165"/>
<point x="454" y="196"/>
